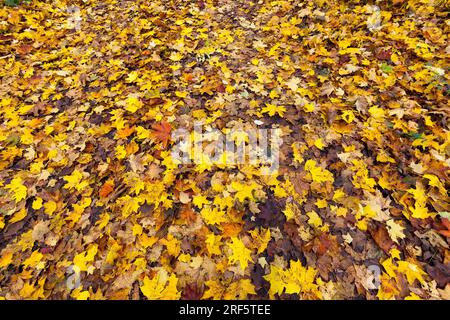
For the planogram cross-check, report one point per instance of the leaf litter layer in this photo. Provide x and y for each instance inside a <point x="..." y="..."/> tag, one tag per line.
<point x="93" y="206"/>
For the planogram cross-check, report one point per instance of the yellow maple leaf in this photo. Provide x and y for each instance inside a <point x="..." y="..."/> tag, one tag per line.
<point x="137" y="229"/>
<point x="37" y="203"/>
<point x="73" y="180"/>
<point x="82" y="259"/>
<point x="142" y="133"/>
<point x="133" y="104"/>
<point x="50" y="207"/>
<point x="394" y="253"/>
<point x="299" y="279"/>
<point x="411" y="271"/>
<point x="276" y="281"/>
<point x="113" y="252"/>
<point x="27" y="290"/>
<point x="317" y="173"/>
<point x="419" y="212"/>
<point x="147" y="241"/>
<point x="395" y="230"/>
<point x="413" y="296"/>
<point x="343" y="44"/>
<point x="80" y="295"/>
<point x="132" y="76"/>
<point x="321" y="203"/>
<point x="161" y="286"/>
<point x="176" y="56"/>
<point x="199" y="201"/>
<point x="130" y="205"/>
<point x="309" y="107"/>
<point x="17" y="187"/>
<point x="273" y="50"/>
<point x="290" y="210"/>
<point x="19" y="215"/>
<point x="213" y="216"/>
<point x="348" y="116"/>
<point x="389" y="267"/>
<point x="341" y="211"/>
<point x="434" y="182"/>
<point x="215" y="290"/>
<point x="338" y="194"/>
<point x="319" y="144"/>
<point x="213" y="244"/>
<point x="239" y="290"/>
<point x="121" y="153"/>
<point x="240" y="253"/>
<point x="6" y="259"/>
<point x="272" y="109"/>
<point x="260" y="239"/>
<point x="387" y="289"/>
<point x="172" y="244"/>
<point x="243" y="191"/>
<point x="33" y="260"/>
<point x="377" y="112"/>
<point x="314" y="219"/>
<point x="419" y="194"/>
<point x="295" y="279"/>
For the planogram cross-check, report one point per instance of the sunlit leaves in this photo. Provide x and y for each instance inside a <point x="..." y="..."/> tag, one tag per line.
<point x="295" y="279"/>
<point x="18" y="189"/>
<point x="133" y="104"/>
<point x="90" y="187"/>
<point x="82" y="260"/>
<point x="213" y="244"/>
<point x="162" y="286"/>
<point x="240" y="289"/>
<point x="240" y="253"/>
<point x="317" y="173"/>
<point x="272" y="109"/>
<point x="73" y="181"/>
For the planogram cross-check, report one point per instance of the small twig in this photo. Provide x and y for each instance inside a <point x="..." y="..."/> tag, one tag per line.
<point x="7" y="56"/>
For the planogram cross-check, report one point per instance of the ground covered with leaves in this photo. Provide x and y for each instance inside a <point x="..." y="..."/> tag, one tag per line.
<point x="93" y="206"/>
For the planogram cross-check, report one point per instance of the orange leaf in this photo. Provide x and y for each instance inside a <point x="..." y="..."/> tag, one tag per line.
<point x="231" y="229"/>
<point x="382" y="238"/>
<point x="446" y="223"/>
<point x="24" y="49"/>
<point x="106" y="189"/>
<point x="125" y="132"/>
<point x="161" y="132"/>
<point x="153" y="102"/>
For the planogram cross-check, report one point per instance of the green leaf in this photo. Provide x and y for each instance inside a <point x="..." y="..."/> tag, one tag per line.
<point x="386" y="68"/>
<point x="445" y="214"/>
<point x="415" y="135"/>
<point x="12" y="3"/>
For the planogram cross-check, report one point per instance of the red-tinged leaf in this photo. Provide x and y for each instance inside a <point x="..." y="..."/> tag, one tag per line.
<point x="384" y="54"/>
<point x="161" y="132"/>
<point x="106" y="189"/>
<point x="445" y="232"/>
<point x="153" y="102"/>
<point x="191" y="292"/>
<point x="24" y="49"/>
<point x="381" y="237"/>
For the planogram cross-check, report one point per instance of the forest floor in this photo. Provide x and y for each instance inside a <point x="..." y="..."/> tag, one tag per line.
<point x="95" y="203"/>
